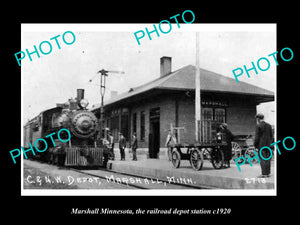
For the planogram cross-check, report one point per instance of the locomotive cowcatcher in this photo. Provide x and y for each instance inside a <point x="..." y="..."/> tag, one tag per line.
<point x="82" y="149"/>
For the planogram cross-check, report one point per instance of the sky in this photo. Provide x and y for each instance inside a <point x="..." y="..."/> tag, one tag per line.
<point x="54" y="78"/>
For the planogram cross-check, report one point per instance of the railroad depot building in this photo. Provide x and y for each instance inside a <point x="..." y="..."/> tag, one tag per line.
<point x="150" y="109"/>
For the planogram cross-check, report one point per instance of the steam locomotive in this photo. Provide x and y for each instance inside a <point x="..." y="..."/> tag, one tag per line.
<point x="82" y="149"/>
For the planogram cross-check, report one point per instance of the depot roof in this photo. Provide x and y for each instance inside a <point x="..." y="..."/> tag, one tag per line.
<point x="184" y="79"/>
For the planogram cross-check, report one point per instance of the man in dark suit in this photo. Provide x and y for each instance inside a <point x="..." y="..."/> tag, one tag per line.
<point x="111" y="145"/>
<point x="122" y="146"/>
<point x="228" y="137"/>
<point x="134" y="146"/>
<point x="263" y="137"/>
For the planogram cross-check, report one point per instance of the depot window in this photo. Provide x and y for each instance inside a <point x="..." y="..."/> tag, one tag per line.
<point x="216" y="114"/>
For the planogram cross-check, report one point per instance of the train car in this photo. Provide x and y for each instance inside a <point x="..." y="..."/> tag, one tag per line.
<point x="82" y="149"/>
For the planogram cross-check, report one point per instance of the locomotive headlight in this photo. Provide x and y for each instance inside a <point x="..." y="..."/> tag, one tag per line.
<point x="84" y="103"/>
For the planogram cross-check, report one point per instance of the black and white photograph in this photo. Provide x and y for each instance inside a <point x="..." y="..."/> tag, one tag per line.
<point x="144" y="109"/>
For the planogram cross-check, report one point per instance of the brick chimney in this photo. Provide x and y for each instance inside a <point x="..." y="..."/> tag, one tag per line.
<point x="165" y="66"/>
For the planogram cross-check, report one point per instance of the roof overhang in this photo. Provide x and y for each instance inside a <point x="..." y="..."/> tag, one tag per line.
<point x="152" y="93"/>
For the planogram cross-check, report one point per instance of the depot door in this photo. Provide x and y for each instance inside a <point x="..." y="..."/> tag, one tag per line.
<point x="154" y="133"/>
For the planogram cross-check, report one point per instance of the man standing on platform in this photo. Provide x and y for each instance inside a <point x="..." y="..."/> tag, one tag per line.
<point x="228" y="137"/>
<point x="263" y="137"/>
<point x="122" y="146"/>
<point x="111" y="145"/>
<point x="134" y="146"/>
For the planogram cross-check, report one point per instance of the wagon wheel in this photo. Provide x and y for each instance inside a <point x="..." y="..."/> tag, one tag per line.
<point x="236" y="151"/>
<point x="176" y="157"/>
<point x="250" y="152"/>
<point x="217" y="158"/>
<point x="196" y="159"/>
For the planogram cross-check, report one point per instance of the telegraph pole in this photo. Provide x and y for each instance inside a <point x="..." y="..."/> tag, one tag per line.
<point x="197" y="92"/>
<point x="103" y="75"/>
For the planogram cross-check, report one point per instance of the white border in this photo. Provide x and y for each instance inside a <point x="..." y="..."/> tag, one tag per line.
<point x="107" y="27"/>
<point x="167" y="192"/>
<point x="150" y="192"/>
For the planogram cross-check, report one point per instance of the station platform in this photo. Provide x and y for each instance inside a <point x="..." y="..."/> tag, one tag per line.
<point x="208" y="177"/>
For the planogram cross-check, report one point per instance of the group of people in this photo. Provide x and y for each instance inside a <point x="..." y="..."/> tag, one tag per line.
<point x="263" y="137"/>
<point x="122" y="145"/>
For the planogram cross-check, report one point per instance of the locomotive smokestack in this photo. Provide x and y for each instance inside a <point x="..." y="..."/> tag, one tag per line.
<point x="80" y="94"/>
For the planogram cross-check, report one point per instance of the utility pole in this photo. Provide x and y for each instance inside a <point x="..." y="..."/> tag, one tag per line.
<point x="197" y="93"/>
<point x="103" y="75"/>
